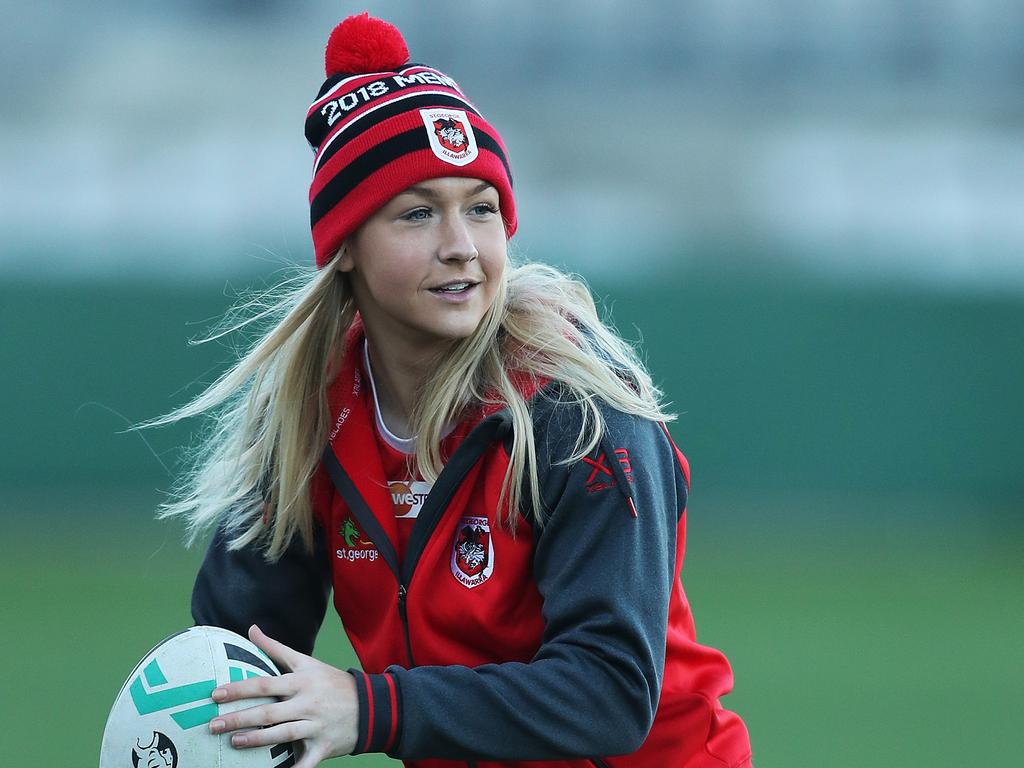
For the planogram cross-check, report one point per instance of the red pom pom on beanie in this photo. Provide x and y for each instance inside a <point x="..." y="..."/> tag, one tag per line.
<point x="363" y="43"/>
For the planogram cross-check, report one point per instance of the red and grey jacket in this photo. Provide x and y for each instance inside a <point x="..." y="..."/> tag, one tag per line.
<point x="569" y="641"/>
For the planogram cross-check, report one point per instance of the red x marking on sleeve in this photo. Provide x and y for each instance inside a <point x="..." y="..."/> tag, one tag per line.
<point x="598" y="466"/>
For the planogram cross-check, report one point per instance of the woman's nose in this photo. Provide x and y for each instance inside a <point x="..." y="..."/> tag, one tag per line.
<point x="456" y="241"/>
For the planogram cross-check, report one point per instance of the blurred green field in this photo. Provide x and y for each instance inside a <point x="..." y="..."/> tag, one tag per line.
<point x="895" y="645"/>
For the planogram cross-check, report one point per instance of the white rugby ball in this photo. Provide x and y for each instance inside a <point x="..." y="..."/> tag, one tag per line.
<point x="160" y="717"/>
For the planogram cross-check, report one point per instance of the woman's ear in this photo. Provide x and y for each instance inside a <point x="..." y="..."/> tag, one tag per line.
<point x="343" y="261"/>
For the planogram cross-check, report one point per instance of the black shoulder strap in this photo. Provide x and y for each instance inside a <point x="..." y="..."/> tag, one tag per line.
<point x="360" y="509"/>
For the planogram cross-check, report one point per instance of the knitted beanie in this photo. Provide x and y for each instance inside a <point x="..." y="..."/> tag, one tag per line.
<point x="381" y="124"/>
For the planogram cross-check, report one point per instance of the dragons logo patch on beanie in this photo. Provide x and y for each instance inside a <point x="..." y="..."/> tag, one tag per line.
<point x="451" y="135"/>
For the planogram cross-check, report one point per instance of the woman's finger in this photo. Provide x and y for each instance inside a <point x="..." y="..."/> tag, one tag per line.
<point x="254" y="688"/>
<point x="285" y="657"/>
<point x="282" y="733"/>
<point x="253" y="717"/>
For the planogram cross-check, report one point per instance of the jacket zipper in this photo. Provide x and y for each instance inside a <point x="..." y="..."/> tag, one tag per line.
<point x="403" y="595"/>
<point x="598" y="762"/>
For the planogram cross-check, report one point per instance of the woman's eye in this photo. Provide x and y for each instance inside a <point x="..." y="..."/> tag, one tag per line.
<point x="481" y="209"/>
<point x="416" y="214"/>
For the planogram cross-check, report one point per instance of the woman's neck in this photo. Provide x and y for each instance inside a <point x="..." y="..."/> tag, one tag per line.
<point x="398" y="374"/>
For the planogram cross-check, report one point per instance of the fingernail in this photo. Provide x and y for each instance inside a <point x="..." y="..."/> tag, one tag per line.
<point x="216" y="726"/>
<point x="239" y="740"/>
<point x="219" y="694"/>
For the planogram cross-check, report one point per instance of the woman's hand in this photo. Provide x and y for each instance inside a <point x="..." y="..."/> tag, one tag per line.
<point x="318" y="705"/>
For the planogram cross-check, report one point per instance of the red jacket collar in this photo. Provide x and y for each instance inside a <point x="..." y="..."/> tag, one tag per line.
<point x="349" y="392"/>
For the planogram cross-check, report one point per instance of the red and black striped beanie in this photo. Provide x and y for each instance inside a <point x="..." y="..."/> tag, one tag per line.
<point x="381" y="124"/>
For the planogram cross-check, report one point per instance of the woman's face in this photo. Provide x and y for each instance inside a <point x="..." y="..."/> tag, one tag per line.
<point x="425" y="268"/>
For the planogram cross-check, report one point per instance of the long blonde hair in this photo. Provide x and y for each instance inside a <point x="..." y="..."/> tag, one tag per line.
<point x="269" y="415"/>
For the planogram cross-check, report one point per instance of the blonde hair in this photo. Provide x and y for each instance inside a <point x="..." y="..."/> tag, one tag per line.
<point x="270" y="416"/>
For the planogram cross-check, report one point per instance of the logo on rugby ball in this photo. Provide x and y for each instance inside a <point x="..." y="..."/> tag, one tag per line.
<point x="473" y="552"/>
<point x="451" y="135"/>
<point x="156" y="751"/>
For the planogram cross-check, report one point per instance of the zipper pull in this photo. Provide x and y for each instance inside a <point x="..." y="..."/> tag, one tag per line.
<point x="403" y="592"/>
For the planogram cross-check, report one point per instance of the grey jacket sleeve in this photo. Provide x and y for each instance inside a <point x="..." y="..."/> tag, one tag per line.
<point x="605" y="576"/>
<point x="287" y="599"/>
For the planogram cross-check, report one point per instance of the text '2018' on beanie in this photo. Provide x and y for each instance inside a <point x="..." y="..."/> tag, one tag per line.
<point x="381" y="124"/>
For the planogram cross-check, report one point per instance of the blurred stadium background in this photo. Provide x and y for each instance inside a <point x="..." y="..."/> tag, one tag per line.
<point x="810" y="215"/>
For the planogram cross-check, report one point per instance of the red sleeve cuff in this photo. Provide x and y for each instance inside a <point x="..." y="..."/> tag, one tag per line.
<point x="379" y="711"/>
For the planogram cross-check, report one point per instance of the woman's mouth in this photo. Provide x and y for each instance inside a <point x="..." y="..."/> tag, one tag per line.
<point x="455" y="290"/>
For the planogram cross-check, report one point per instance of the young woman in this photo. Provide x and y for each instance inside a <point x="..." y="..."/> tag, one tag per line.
<point x="466" y="454"/>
